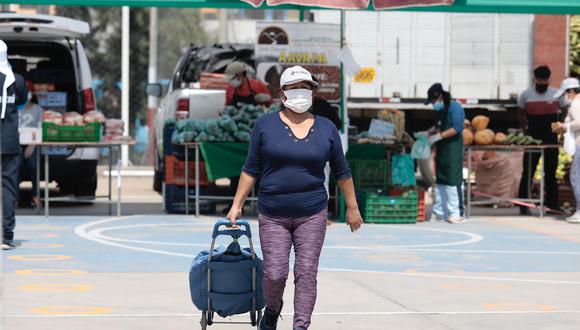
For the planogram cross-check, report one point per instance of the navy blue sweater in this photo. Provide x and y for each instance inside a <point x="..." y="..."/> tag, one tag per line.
<point x="291" y="170"/>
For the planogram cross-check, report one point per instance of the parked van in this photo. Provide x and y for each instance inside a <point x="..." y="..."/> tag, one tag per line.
<point x="47" y="52"/>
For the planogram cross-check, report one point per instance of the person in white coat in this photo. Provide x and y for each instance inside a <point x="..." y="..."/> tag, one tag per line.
<point x="570" y="90"/>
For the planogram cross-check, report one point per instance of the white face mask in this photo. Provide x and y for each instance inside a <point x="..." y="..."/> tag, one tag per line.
<point x="298" y="100"/>
<point x="236" y="82"/>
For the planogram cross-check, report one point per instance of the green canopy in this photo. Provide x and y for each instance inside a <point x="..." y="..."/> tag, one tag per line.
<point x="466" y="6"/>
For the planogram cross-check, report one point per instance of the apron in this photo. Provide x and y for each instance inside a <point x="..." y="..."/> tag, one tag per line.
<point x="449" y="158"/>
<point x="248" y="99"/>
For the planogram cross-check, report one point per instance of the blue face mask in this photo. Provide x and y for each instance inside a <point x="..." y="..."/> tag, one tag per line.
<point x="438" y="106"/>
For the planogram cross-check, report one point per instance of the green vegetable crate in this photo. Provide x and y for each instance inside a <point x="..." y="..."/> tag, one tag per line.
<point x="58" y="133"/>
<point x="370" y="173"/>
<point x="390" y="209"/>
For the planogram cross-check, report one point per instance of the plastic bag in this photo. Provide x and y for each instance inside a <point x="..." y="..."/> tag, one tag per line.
<point x="403" y="171"/>
<point x="569" y="141"/>
<point x="421" y="148"/>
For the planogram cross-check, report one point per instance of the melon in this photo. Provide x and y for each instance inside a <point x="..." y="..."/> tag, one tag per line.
<point x="480" y="123"/>
<point x="500" y="138"/>
<point x="484" y="137"/>
<point x="467" y="137"/>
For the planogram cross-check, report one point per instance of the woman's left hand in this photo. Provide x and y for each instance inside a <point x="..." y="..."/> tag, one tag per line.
<point x="353" y="218"/>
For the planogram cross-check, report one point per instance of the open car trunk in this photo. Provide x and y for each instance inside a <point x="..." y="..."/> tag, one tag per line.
<point x="49" y="67"/>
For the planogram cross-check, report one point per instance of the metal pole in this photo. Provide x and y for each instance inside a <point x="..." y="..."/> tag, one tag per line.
<point x="186" y="179"/>
<point x="125" y="80"/>
<point x="152" y="72"/>
<point x="38" y="154"/>
<point x="223" y="26"/>
<point x="111" y="179"/>
<point x="542" y="183"/>
<point x="468" y="205"/>
<point x="46" y="182"/>
<point x="197" y="180"/>
<point x="119" y="178"/>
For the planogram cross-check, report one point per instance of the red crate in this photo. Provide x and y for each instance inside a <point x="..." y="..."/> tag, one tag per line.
<point x="175" y="172"/>
<point x="421" y="209"/>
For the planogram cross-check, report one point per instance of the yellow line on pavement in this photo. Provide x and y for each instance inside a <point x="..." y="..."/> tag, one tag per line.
<point x="45" y="272"/>
<point x="56" y="287"/>
<point x="40" y="257"/>
<point x="72" y="310"/>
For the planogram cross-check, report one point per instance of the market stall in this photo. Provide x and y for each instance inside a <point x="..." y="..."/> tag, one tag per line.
<point x="69" y="131"/>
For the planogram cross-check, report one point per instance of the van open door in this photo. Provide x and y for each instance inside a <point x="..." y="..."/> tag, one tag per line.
<point x="17" y="26"/>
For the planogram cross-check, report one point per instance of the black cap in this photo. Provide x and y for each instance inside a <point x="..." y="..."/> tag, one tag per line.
<point x="434" y="92"/>
<point x="542" y="72"/>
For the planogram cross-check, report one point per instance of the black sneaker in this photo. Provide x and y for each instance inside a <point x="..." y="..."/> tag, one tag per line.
<point x="8" y="245"/>
<point x="270" y="319"/>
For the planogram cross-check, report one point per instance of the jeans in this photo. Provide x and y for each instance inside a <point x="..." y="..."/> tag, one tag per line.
<point x="575" y="177"/>
<point x="448" y="201"/>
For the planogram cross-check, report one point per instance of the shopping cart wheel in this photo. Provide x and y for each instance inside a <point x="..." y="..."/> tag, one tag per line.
<point x="203" y="321"/>
<point x="210" y="318"/>
<point x="253" y="318"/>
<point x="259" y="318"/>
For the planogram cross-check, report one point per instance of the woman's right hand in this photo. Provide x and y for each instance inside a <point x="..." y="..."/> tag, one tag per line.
<point x="234" y="214"/>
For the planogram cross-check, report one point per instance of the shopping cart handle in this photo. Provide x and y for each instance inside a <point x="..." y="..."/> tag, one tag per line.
<point x="243" y="228"/>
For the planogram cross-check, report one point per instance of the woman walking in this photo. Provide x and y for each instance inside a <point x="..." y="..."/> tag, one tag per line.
<point x="570" y="89"/>
<point x="288" y="152"/>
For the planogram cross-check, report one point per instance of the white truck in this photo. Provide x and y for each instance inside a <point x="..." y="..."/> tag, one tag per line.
<point x="475" y="56"/>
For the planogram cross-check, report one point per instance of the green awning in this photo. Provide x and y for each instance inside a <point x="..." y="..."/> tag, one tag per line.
<point x="466" y="6"/>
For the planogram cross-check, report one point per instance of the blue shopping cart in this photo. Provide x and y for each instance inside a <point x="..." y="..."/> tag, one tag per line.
<point x="228" y="280"/>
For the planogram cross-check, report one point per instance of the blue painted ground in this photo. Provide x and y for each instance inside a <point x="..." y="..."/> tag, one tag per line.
<point x="168" y="244"/>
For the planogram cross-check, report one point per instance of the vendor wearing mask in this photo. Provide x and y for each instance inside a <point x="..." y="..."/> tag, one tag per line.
<point x="447" y="137"/>
<point x="244" y="90"/>
<point x="539" y="111"/>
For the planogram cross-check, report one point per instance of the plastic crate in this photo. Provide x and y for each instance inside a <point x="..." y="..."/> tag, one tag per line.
<point x="370" y="173"/>
<point x="58" y="133"/>
<point x="175" y="201"/>
<point x="421" y="215"/>
<point x="167" y="144"/>
<point x="175" y="172"/>
<point x="390" y="209"/>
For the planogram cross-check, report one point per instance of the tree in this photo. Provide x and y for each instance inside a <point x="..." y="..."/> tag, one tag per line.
<point x="575" y="46"/>
<point x="178" y="28"/>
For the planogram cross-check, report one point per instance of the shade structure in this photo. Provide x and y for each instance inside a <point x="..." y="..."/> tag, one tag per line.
<point x="353" y="4"/>
<point x="562" y="7"/>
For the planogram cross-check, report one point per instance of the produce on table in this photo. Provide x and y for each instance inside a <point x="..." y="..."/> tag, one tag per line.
<point x="479" y="123"/>
<point x="467" y="137"/>
<point x="484" y="137"/>
<point x="235" y="125"/>
<point x="500" y="138"/>
<point x="52" y="117"/>
<point x="521" y="140"/>
<point x="94" y="116"/>
<point x="114" y="129"/>
<point x="72" y="119"/>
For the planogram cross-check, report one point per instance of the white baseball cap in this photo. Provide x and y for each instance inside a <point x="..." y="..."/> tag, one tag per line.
<point x="567" y="84"/>
<point x="296" y="74"/>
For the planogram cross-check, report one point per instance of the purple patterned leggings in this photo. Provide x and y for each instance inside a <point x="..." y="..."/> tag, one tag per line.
<point x="277" y="235"/>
